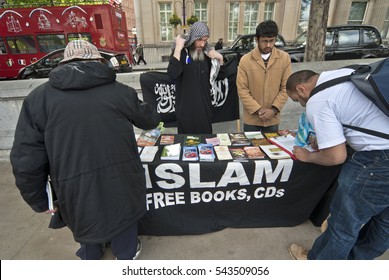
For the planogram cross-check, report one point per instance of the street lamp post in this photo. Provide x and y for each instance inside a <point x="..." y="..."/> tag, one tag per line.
<point x="183" y="3"/>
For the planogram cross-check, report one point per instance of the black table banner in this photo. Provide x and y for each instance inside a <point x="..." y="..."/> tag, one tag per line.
<point x="201" y="197"/>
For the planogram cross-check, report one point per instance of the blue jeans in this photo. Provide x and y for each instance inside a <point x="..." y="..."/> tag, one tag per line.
<point x="358" y="228"/>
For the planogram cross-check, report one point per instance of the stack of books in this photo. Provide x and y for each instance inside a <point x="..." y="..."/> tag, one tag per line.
<point x="239" y="139"/>
<point x="223" y="153"/>
<point x="192" y="140"/>
<point x="224" y="139"/>
<point x="148" y="153"/>
<point x="166" y="139"/>
<point x="254" y="152"/>
<point x="238" y="154"/>
<point x="206" y="152"/>
<point x="189" y="153"/>
<point x="171" y="152"/>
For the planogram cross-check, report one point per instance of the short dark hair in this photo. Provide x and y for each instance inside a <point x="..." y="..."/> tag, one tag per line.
<point x="267" y="28"/>
<point x="298" y="78"/>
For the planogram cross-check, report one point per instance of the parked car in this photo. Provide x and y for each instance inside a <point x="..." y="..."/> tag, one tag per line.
<point x="243" y="44"/>
<point x="42" y="67"/>
<point x="344" y="42"/>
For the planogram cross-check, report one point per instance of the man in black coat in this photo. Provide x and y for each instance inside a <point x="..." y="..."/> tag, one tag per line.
<point x="77" y="129"/>
<point x="190" y="66"/>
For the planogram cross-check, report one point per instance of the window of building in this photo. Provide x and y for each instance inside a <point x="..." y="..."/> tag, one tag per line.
<point x="166" y="30"/>
<point x="49" y="43"/>
<point x="269" y="11"/>
<point x="233" y="20"/>
<point x="250" y="18"/>
<point x="304" y="16"/>
<point x="385" y="30"/>
<point x="357" y="12"/>
<point x="200" y="11"/>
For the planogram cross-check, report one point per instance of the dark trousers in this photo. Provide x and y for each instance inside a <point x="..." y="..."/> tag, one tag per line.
<point x="123" y="246"/>
<point x="141" y="58"/>
<point x="264" y="129"/>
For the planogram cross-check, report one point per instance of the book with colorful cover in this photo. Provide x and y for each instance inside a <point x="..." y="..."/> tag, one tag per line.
<point x="275" y="152"/>
<point x="150" y="137"/>
<point x="206" y="152"/>
<point x="190" y="153"/>
<point x="224" y="139"/>
<point x="192" y="140"/>
<point x="239" y="139"/>
<point x="222" y="153"/>
<point x="166" y="139"/>
<point x="238" y="153"/>
<point x="148" y="153"/>
<point x="171" y="152"/>
<point x="254" y="152"/>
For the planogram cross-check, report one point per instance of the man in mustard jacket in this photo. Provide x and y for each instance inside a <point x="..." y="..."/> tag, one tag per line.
<point x="261" y="81"/>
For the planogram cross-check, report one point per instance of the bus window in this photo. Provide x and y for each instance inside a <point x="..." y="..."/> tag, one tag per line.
<point x="78" y="36"/>
<point x="3" y="49"/>
<point x="52" y="42"/>
<point x="21" y="44"/>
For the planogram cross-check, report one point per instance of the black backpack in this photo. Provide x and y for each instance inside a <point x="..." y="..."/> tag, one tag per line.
<point x="373" y="81"/>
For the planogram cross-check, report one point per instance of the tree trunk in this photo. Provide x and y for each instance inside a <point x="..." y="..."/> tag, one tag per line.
<point x="317" y="26"/>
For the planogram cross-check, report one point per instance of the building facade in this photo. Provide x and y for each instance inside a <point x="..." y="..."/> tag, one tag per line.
<point x="228" y="18"/>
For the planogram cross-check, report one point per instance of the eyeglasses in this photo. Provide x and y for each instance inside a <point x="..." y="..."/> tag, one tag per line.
<point x="266" y="42"/>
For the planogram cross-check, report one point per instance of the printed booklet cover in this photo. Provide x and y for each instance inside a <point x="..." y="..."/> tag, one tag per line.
<point x="189" y="153"/>
<point x="222" y="153"/>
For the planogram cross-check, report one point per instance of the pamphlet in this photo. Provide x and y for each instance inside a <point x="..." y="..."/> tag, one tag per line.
<point x="148" y="153"/>
<point x="150" y="137"/>
<point x="222" y="153"/>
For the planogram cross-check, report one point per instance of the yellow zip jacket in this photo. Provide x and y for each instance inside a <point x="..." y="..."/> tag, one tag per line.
<point x="259" y="86"/>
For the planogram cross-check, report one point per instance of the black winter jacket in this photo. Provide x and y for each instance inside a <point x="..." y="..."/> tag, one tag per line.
<point x="78" y="128"/>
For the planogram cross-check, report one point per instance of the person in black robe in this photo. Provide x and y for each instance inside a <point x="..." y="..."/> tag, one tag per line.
<point x="190" y="67"/>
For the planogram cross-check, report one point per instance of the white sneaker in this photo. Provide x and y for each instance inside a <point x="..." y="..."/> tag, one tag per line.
<point x="138" y="249"/>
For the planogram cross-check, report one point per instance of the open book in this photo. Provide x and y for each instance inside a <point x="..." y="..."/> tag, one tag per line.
<point x="286" y="142"/>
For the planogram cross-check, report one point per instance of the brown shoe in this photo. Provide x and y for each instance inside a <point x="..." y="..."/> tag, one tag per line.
<point x="298" y="252"/>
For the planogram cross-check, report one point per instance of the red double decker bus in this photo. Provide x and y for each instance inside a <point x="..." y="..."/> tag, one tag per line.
<point x="27" y="34"/>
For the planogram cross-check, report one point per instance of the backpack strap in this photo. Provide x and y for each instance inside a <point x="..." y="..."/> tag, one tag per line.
<point x="330" y="83"/>
<point x="368" y="131"/>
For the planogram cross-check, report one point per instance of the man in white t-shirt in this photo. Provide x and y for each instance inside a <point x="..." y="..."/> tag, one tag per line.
<point x="358" y="227"/>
